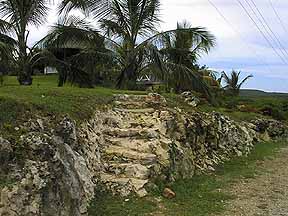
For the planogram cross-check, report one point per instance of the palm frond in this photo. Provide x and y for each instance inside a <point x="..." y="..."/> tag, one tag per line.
<point x="99" y="8"/>
<point x="244" y="80"/>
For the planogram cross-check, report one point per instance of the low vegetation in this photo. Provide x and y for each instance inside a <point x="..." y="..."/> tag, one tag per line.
<point x="45" y="97"/>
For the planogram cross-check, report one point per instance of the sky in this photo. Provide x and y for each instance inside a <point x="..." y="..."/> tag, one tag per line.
<point x="240" y="45"/>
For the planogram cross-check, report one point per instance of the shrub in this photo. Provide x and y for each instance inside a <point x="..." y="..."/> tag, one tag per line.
<point x="274" y="112"/>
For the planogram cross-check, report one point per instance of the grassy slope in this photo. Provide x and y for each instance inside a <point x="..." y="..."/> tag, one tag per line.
<point x="45" y="96"/>
<point x="253" y="104"/>
<point x="177" y="101"/>
<point x="201" y="196"/>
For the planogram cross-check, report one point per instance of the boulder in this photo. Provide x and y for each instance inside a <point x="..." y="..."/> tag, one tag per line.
<point x="168" y="193"/>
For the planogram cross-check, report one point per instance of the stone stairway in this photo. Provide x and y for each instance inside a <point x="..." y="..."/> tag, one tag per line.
<point x="135" y="146"/>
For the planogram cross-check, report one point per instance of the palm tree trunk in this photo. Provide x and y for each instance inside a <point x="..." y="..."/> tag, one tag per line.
<point x="24" y="70"/>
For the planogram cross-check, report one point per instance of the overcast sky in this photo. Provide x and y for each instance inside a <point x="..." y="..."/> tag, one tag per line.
<point x="239" y="47"/>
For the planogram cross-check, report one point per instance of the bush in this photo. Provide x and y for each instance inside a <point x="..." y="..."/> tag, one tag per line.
<point x="231" y="104"/>
<point x="274" y="112"/>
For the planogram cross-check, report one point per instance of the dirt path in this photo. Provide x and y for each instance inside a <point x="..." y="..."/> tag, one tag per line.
<point x="265" y="195"/>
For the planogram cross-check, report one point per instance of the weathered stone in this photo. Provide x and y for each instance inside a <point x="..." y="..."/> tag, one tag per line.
<point x="190" y="99"/>
<point x="142" y="193"/>
<point x="6" y="153"/>
<point x="40" y="123"/>
<point x="24" y="197"/>
<point x="117" y="132"/>
<point x="273" y="128"/>
<point x="137" y="171"/>
<point x="67" y="131"/>
<point x="131" y="154"/>
<point x="168" y="193"/>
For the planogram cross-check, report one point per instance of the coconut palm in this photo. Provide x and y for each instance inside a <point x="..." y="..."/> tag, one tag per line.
<point x="183" y="50"/>
<point x="76" y="50"/>
<point x="7" y="46"/>
<point x="129" y="32"/>
<point x="233" y="83"/>
<point x="17" y="15"/>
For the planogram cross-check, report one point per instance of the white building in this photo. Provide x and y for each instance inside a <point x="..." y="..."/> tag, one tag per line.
<point x="50" y="70"/>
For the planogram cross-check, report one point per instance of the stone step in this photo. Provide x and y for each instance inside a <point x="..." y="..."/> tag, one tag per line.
<point x="124" y="185"/>
<point x="150" y="99"/>
<point x="140" y="145"/>
<point x="131" y="104"/>
<point x="147" y="133"/>
<point x="118" y="132"/>
<point x="118" y="152"/>
<point x="129" y="170"/>
<point x="130" y="98"/>
<point x="145" y="110"/>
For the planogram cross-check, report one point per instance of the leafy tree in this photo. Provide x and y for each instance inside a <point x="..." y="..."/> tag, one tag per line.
<point x="17" y="15"/>
<point x="233" y="83"/>
<point x="129" y="32"/>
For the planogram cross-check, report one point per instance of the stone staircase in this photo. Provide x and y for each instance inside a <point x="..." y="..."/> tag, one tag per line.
<point x="135" y="146"/>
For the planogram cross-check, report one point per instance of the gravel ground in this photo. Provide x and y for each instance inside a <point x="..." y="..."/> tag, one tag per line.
<point x="265" y="195"/>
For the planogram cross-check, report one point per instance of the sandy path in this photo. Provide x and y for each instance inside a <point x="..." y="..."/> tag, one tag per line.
<point x="267" y="194"/>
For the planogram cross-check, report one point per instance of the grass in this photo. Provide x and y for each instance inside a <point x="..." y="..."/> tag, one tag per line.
<point x="105" y="204"/>
<point x="247" y="108"/>
<point x="237" y="115"/>
<point x="202" y="195"/>
<point x="205" y="194"/>
<point x="45" y="96"/>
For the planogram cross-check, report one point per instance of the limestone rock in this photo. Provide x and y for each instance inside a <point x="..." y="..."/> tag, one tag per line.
<point x="190" y="99"/>
<point x="6" y="152"/>
<point x="24" y="197"/>
<point x="137" y="171"/>
<point x="168" y="193"/>
<point x="273" y="128"/>
<point x="67" y="131"/>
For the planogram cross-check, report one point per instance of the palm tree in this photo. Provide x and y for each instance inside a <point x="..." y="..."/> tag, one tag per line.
<point x="233" y="83"/>
<point x="182" y="51"/>
<point x="76" y="50"/>
<point x="7" y="46"/>
<point x="17" y="15"/>
<point x="129" y="31"/>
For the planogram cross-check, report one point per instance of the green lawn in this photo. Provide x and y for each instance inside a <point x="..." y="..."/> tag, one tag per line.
<point x="80" y="103"/>
<point x="202" y="195"/>
<point x="45" y="96"/>
<point x="252" y="107"/>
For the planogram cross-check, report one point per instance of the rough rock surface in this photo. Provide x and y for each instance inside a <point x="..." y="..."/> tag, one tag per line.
<point x="190" y="98"/>
<point x="50" y="179"/>
<point x="5" y="152"/>
<point x="122" y="149"/>
<point x="138" y="141"/>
